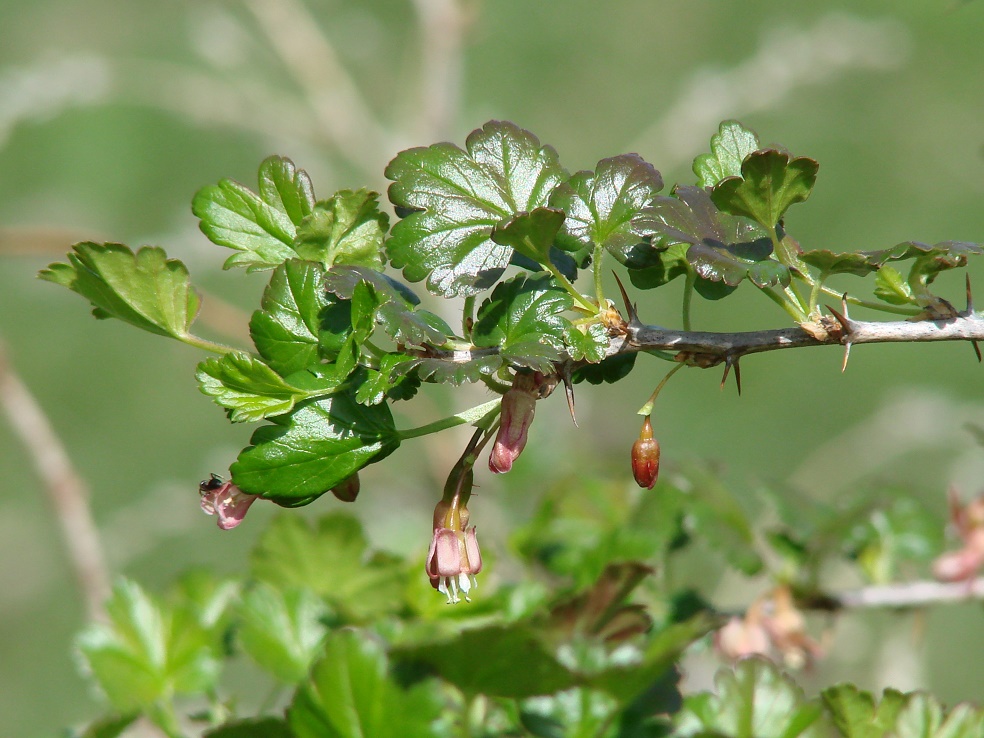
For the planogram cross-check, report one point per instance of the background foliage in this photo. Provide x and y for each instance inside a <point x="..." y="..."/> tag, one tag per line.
<point x="107" y="124"/>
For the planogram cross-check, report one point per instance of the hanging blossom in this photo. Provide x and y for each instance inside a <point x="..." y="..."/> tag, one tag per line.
<point x="454" y="558"/>
<point x="226" y="501"/>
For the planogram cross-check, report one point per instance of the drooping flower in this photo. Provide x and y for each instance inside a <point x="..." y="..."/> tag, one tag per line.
<point x="348" y="489"/>
<point x="454" y="558"/>
<point x="645" y="457"/>
<point x="226" y="501"/>
<point x="518" y="409"/>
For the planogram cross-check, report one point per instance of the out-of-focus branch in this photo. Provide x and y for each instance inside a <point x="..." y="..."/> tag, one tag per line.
<point x="443" y="25"/>
<point x="899" y="596"/>
<point x="65" y="489"/>
<point x="332" y="93"/>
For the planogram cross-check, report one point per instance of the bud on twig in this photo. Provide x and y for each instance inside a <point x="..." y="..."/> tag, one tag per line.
<point x="518" y="409"/>
<point x="645" y="457"/>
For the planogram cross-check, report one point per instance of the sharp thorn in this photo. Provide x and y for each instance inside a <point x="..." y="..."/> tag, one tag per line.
<point x="727" y="371"/>
<point x="842" y="319"/>
<point x="728" y="363"/>
<point x="970" y="306"/>
<point x="977" y="350"/>
<point x="569" y="392"/>
<point x="738" y="376"/>
<point x="630" y="309"/>
<point x="847" y="355"/>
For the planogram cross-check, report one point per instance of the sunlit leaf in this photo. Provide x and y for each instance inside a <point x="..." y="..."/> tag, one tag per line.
<point x="261" y="226"/>
<point x="330" y="558"/>
<point x="281" y="629"/>
<point x="770" y="182"/>
<point x="146" y="652"/>
<point x="144" y="289"/>
<point x="300" y="456"/>
<point x="454" y="198"/>
<point x="347" y="228"/>
<point x="754" y="701"/>
<point x="247" y="387"/>
<point x="603" y="206"/>
<point x="531" y="234"/>
<point x="729" y="147"/>
<point x="351" y="695"/>
<point x="891" y="287"/>
<point x="856" y="715"/>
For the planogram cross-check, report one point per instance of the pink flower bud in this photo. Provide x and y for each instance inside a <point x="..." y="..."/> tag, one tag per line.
<point x="225" y="500"/>
<point x="518" y="408"/>
<point x="645" y="457"/>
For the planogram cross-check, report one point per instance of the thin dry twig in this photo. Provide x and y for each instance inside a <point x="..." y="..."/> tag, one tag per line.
<point x="65" y="489"/>
<point x="905" y="596"/>
<point x="332" y="93"/>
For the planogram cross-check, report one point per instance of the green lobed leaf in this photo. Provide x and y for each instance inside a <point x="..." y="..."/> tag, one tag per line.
<point x="891" y="287"/>
<point x="523" y="317"/>
<point x="261" y="226"/>
<point x="365" y="304"/>
<point x="456" y="197"/>
<point x="729" y="147"/>
<point x="351" y="695"/>
<point x="286" y="328"/>
<point x="397" y="314"/>
<point x="941" y="256"/>
<point x="531" y="234"/>
<point x="144" y="289"/>
<point x="347" y="228"/>
<point x="590" y="345"/>
<point x="331" y="558"/>
<point x="246" y="387"/>
<point x="770" y="182"/>
<point x="754" y="701"/>
<point x="603" y="207"/>
<point x="447" y="367"/>
<point x="378" y="384"/>
<point x="923" y="717"/>
<point x="146" y="652"/>
<point x="722" y="247"/>
<point x="855" y="713"/>
<point x="108" y="726"/>
<point x="282" y="630"/>
<point x="300" y="456"/>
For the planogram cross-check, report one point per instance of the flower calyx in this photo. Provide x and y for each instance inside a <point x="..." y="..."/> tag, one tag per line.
<point x="225" y="500"/>
<point x="454" y="558"/>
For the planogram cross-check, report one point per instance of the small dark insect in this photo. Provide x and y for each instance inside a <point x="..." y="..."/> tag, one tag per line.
<point x="211" y="484"/>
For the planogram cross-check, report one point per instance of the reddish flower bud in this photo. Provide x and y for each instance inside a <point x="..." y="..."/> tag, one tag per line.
<point x="348" y="489"/>
<point x="518" y="408"/>
<point x="225" y="500"/>
<point x="645" y="456"/>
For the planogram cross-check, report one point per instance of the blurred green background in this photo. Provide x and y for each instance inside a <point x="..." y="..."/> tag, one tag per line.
<point x="112" y="114"/>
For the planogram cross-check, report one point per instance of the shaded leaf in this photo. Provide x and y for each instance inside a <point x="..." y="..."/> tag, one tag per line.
<point x="350" y="695"/>
<point x="456" y="197"/>
<point x="347" y="228"/>
<point x="448" y="367"/>
<point x="397" y="315"/>
<point x="715" y="515"/>
<point x="523" y="317"/>
<point x="282" y="629"/>
<point x="108" y="726"/>
<point x="330" y="558"/>
<point x="531" y="234"/>
<point x="590" y="345"/>
<point x="378" y="384"/>
<point x="897" y="531"/>
<point x="944" y="255"/>
<point x="247" y="387"/>
<point x="723" y="247"/>
<point x="144" y="289"/>
<point x="611" y="370"/>
<point x="260" y="227"/>
<point x="770" y="182"/>
<point x="729" y="147"/>
<point x="603" y="206"/>
<point x="302" y="455"/>
<point x="146" y="652"/>
<point x="286" y="328"/>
